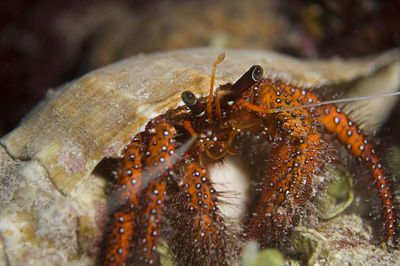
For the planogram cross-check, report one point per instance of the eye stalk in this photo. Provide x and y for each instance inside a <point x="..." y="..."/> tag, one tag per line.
<point x="252" y="75"/>
<point x="191" y="101"/>
<point x="249" y="78"/>
<point x="257" y="73"/>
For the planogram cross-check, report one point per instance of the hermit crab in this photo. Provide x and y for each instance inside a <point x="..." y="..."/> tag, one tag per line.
<point x="164" y="170"/>
<point x="167" y="142"/>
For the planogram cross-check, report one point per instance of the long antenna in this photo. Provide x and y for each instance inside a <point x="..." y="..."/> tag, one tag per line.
<point x="334" y="101"/>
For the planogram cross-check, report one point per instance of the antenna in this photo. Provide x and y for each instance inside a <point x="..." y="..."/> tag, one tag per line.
<point x="277" y="110"/>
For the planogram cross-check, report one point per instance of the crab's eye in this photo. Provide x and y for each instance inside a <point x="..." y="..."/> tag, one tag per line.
<point x="188" y="98"/>
<point x="257" y="73"/>
<point x="246" y="81"/>
<point x="191" y="101"/>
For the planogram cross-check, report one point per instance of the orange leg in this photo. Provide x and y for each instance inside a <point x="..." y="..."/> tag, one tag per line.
<point x="199" y="236"/>
<point x="144" y="250"/>
<point x="142" y="181"/>
<point x="347" y="133"/>
<point x="286" y="188"/>
<point x="123" y="226"/>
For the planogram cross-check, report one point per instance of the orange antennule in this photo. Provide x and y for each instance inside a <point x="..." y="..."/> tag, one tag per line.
<point x="220" y="58"/>
<point x="218" y="104"/>
<point x="255" y="108"/>
<point x="189" y="128"/>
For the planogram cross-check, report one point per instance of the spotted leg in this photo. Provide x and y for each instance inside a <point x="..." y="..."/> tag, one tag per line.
<point x="348" y="134"/>
<point x="142" y="177"/>
<point x="198" y="236"/>
<point x="159" y="159"/>
<point x="286" y="187"/>
<point x="123" y="223"/>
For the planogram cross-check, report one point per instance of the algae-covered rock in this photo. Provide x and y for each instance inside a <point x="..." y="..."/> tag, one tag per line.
<point x="309" y="243"/>
<point x="252" y="256"/>
<point x="338" y="195"/>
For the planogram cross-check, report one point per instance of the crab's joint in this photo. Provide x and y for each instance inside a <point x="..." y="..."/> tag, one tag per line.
<point x="249" y="78"/>
<point x="193" y="103"/>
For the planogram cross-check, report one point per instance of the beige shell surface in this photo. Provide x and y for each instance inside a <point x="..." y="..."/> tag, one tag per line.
<point x="53" y="207"/>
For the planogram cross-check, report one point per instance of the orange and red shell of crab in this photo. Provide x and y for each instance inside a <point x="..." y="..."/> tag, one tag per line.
<point x="164" y="186"/>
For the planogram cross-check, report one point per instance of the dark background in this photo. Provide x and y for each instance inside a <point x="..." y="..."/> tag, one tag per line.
<point x="45" y="43"/>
